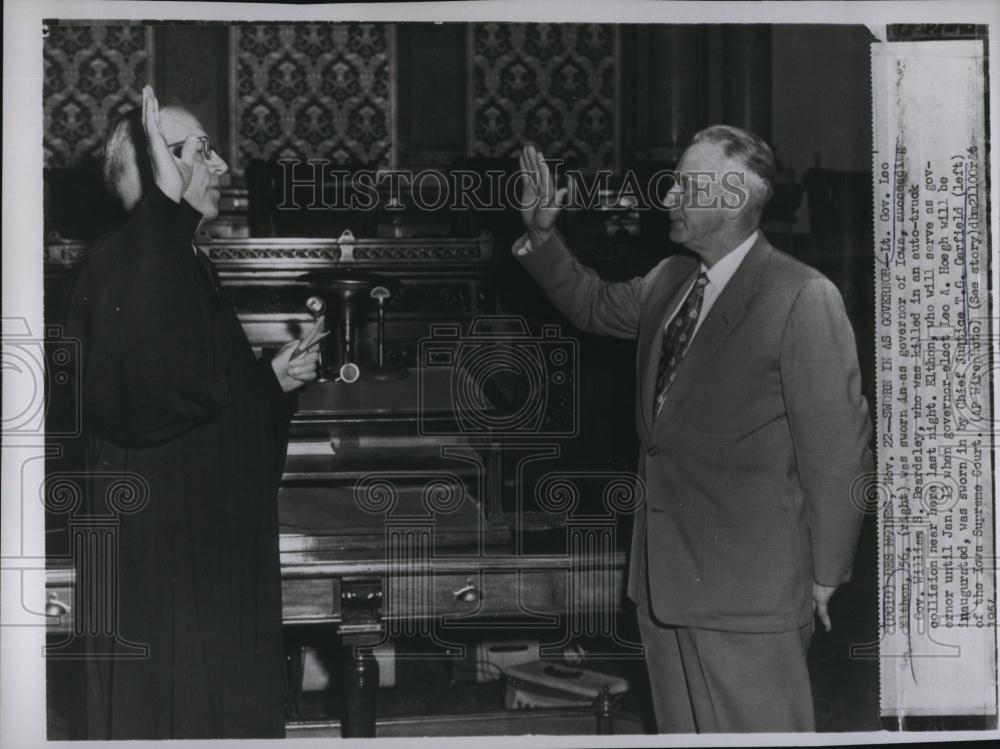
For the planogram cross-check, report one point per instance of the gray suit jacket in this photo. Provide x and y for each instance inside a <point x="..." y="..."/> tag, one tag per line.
<point x="754" y="466"/>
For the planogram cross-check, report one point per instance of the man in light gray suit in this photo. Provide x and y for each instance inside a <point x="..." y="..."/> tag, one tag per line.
<point x="753" y="433"/>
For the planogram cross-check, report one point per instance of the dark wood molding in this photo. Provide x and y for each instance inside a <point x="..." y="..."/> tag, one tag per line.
<point x="431" y="67"/>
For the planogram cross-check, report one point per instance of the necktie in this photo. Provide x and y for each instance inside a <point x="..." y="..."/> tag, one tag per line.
<point x="676" y="338"/>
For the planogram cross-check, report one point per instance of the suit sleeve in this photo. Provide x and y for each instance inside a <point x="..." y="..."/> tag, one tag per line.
<point x="155" y="356"/>
<point x="590" y="303"/>
<point x="830" y="425"/>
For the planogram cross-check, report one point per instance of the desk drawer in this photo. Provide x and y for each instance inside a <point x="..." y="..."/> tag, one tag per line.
<point x="508" y="592"/>
<point x="310" y="600"/>
<point x="489" y="593"/>
<point x="504" y="592"/>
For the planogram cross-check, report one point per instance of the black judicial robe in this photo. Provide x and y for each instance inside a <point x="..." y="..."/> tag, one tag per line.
<point x="175" y="400"/>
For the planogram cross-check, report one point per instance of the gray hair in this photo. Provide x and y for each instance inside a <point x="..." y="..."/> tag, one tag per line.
<point x="124" y="162"/>
<point x="750" y="150"/>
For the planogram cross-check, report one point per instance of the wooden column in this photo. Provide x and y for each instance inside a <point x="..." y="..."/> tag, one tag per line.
<point x="191" y="68"/>
<point x="746" y="77"/>
<point x="664" y="89"/>
<point x="431" y="107"/>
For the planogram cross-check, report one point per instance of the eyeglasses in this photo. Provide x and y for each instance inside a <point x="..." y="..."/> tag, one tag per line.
<point x="205" y="148"/>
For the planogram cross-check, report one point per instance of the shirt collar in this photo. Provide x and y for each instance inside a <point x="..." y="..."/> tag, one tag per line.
<point x="720" y="273"/>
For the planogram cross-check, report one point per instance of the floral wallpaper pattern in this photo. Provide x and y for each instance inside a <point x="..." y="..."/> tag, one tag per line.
<point x="551" y="84"/>
<point x="313" y="90"/>
<point x="91" y="73"/>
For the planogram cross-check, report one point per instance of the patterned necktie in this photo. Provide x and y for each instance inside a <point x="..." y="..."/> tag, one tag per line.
<point x="676" y="338"/>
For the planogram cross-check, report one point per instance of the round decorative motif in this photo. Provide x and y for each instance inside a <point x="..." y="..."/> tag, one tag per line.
<point x="128" y="495"/>
<point x="375" y="494"/>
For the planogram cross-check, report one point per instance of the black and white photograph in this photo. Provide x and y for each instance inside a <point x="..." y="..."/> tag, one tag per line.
<point x="567" y="373"/>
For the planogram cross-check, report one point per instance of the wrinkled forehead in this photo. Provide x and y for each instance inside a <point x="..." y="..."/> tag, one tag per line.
<point x="706" y="156"/>
<point x="178" y="124"/>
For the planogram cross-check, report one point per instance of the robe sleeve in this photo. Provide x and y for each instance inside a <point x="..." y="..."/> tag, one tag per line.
<point x="280" y="407"/>
<point x="155" y="356"/>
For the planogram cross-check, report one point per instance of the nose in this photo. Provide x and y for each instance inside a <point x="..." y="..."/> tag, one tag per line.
<point x="217" y="164"/>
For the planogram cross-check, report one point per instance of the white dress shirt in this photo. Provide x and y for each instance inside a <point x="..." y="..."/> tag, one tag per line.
<point x="718" y="276"/>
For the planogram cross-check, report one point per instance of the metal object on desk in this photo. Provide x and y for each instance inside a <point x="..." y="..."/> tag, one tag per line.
<point x="348" y="291"/>
<point x="468" y="593"/>
<point x="348" y="373"/>
<point x="382" y="370"/>
<point x="317" y="308"/>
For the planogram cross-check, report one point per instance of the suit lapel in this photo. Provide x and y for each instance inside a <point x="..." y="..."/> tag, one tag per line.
<point x="663" y="300"/>
<point x="725" y="314"/>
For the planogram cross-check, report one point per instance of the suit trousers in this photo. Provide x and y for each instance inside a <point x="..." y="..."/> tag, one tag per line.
<point x="711" y="681"/>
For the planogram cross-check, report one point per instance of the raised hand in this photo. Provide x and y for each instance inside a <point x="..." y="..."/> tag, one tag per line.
<point x="172" y="175"/>
<point x="540" y="200"/>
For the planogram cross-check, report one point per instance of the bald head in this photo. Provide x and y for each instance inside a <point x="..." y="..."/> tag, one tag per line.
<point x="126" y="164"/>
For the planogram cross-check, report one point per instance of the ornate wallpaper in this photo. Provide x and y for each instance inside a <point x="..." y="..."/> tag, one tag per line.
<point x="91" y="74"/>
<point x="552" y="84"/>
<point x="324" y="90"/>
<point x="316" y="90"/>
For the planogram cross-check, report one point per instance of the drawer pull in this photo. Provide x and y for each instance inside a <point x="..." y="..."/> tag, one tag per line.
<point x="469" y="593"/>
<point x="55" y="607"/>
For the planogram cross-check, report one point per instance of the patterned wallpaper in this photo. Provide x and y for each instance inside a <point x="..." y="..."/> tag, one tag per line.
<point x="91" y="74"/>
<point x="317" y="90"/>
<point x="553" y="84"/>
<point x="323" y="89"/>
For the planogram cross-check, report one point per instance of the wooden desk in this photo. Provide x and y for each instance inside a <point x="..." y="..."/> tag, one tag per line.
<point x="384" y="533"/>
<point x="364" y="574"/>
<point x="387" y="534"/>
<point x="365" y="598"/>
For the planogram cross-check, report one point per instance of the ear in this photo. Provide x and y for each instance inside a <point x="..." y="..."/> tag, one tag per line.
<point x="129" y="186"/>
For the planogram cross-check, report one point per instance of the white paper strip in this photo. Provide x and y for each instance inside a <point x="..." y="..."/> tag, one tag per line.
<point x="933" y="367"/>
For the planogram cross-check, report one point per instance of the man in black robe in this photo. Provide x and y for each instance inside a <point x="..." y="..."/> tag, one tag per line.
<point x="174" y="397"/>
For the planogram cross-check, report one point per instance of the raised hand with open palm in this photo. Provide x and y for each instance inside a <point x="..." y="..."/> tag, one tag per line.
<point x="540" y="200"/>
<point x="171" y="174"/>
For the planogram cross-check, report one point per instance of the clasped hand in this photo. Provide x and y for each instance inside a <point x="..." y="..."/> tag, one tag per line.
<point x="295" y="370"/>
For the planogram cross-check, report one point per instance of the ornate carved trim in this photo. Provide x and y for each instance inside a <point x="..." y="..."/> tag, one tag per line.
<point x="419" y="252"/>
<point x="242" y="252"/>
<point x="235" y="255"/>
